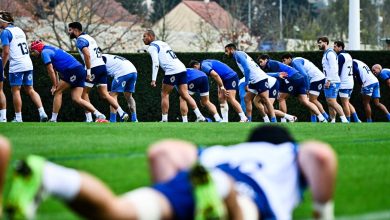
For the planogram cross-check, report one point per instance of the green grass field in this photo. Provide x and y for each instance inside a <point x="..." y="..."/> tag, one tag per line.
<point x="116" y="154"/>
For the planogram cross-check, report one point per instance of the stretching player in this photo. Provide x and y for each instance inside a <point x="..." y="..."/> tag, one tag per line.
<point x="382" y="73"/>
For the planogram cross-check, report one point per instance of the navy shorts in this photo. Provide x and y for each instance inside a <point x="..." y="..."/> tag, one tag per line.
<point x="274" y="90"/>
<point x="231" y="84"/>
<point x="294" y="85"/>
<point x="316" y="87"/>
<point x="176" y="79"/>
<point x="259" y="87"/>
<point x="99" y="76"/>
<point x="178" y="191"/>
<point x="199" y="85"/>
<point x="75" y="76"/>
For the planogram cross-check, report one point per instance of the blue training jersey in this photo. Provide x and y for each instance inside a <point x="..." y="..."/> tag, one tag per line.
<point x="223" y="70"/>
<point x="6" y="37"/>
<point x="194" y="74"/>
<point x="60" y="59"/>
<point x="276" y="67"/>
<point x="385" y="74"/>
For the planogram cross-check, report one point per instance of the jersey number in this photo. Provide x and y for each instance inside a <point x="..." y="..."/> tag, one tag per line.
<point x="23" y="48"/>
<point x="367" y="69"/>
<point x="98" y="52"/>
<point x="172" y="54"/>
<point x="350" y="70"/>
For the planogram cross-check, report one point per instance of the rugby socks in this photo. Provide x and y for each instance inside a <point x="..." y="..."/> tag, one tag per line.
<point x="344" y="119"/>
<point x="60" y="181"/>
<point x="355" y="117"/>
<point x="273" y="120"/>
<point x="120" y="111"/>
<point x="88" y="116"/>
<point x="266" y="119"/>
<point x="369" y="120"/>
<point x="18" y="116"/>
<point x="3" y="115"/>
<point x="197" y="113"/>
<point x="242" y="116"/>
<point x="112" y="116"/>
<point x="326" y="116"/>
<point x="283" y="120"/>
<point x="324" y="211"/>
<point x="321" y="118"/>
<point x="224" y="111"/>
<point x="42" y="112"/>
<point x="388" y="117"/>
<point x="348" y="118"/>
<point x="164" y="117"/>
<point x="54" y="116"/>
<point x="134" y="117"/>
<point x="289" y="117"/>
<point x="313" y="118"/>
<point x="184" y="118"/>
<point x="217" y="117"/>
<point x="249" y="118"/>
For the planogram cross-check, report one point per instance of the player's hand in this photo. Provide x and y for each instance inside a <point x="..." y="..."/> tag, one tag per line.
<point x="89" y="75"/>
<point x="327" y="84"/>
<point x="53" y="89"/>
<point x="283" y="75"/>
<point x="153" y="83"/>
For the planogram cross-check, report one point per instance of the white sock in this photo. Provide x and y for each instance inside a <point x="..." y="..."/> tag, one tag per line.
<point x="60" y="181"/>
<point x="197" y="113"/>
<point x="120" y="111"/>
<point x="184" y="118"/>
<point x="41" y="111"/>
<point x="54" y="116"/>
<point x="3" y="114"/>
<point x="88" y="115"/>
<point x="266" y="119"/>
<point x="320" y="117"/>
<point x="324" y="210"/>
<point x="242" y="116"/>
<point x="344" y="119"/>
<point x="217" y="117"/>
<point x="333" y="120"/>
<point x="164" y="117"/>
<point x="224" y="111"/>
<point x="283" y="120"/>
<point x="18" y="116"/>
<point x="288" y="117"/>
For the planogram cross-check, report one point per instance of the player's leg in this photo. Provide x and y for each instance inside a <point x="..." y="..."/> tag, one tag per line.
<point x="183" y="109"/>
<point x="205" y="101"/>
<point x="223" y="105"/>
<point x="367" y="107"/>
<point x="311" y="106"/>
<point x="103" y="92"/>
<point x="331" y="98"/>
<point x="85" y="96"/>
<point x="248" y="103"/>
<point x="282" y="100"/>
<point x="183" y="92"/>
<point x="113" y="112"/>
<point x="381" y="107"/>
<point x="354" y="113"/>
<point x="3" y="102"/>
<point x="57" y="99"/>
<point x="314" y="92"/>
<point x="29" y="89"/>
<point x="318" y="163"/>
<point x="345" y="105"/>
<point x="167" y="157"/>
<point x="76" y="94"/>
<point x="241" y="93"/>
<point x="264" y="96"/>
<point x="132" y="105"/>
<point x="236" y="105"/>
<point x="260" y="107"/>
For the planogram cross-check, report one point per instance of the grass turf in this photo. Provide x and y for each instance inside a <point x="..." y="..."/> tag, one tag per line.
<point x="116" y="154"/>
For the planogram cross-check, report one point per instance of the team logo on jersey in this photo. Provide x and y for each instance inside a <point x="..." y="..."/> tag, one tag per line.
<point x="72" y="78"/>
<point x="266" y="85"/>
<point x="319" y="86"/>
<point x="191" y="86"/>
<point x="29" y="77"/>
<point x="290" y="88"/>
<point x="274" y="92"/>
<point x="234" y="84"/>
<point x="123" y="83"/>
<point x="172" y="79"/>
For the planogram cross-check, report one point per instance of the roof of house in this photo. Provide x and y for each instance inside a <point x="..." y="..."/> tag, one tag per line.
<point x="16" y="8"/>
<point x="214" y="14"/>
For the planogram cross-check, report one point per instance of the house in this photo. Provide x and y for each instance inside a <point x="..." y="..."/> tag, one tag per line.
<point x="194" y="26"/>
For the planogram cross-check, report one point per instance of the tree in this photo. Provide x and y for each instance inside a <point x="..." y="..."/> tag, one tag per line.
<point x="135" y="7"/>
<point x="161" y="8"/>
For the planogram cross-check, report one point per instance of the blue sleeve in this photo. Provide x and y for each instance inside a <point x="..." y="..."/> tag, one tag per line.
<point x="383" y="75"/>
<point x="276" y="75"/>
<point x="6" y="37"/>
<point x="273" y="66"/>
<point x="355" y="68"/>
<point x="81" y="43"/>
<point x="241" y="59"/>
<point x="47" y="56"/>
<point x="298" y="65"/>
<point x="156" y="46"/>
<point x="206" y="67"/>
<point x="341" y="63"/>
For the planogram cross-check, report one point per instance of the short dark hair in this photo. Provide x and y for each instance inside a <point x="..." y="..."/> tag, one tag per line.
<point x="340" y="44"/>
<point x="323" y="39"/>
<point x="6" y="16"/>
<point x="271" y="134"/>
<point x="231" y="45"/>
<point x="76" y="25"/>
<point x="287" y="56"/>
<point x="263" y="57"/>
<point x="150" y="32"/>
<point x="192" y="63"/>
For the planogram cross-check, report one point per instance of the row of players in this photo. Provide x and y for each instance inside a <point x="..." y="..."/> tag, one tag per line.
<point x="280" y="81"/>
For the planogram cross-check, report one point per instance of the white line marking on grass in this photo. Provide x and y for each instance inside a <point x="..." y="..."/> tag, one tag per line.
<point x="381" y="215"/>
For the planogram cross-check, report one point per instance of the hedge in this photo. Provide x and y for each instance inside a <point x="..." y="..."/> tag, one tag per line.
<point x="148" y="98"/>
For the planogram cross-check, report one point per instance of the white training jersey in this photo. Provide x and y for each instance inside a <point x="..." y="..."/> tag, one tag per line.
<point x="94" y="51"/>
<point x="118" y="66"/>
<point x="365" y="73"/>
<point x="162" y="55"/>
<point x="252" y="72"/>
<point x="312" y="70"/>
<point x="330" y="66"/>
<point x="19" y="57"/>
<point x="271" y="168"/>
<point x="346" y="74"/>
<point x="271" y="81"/>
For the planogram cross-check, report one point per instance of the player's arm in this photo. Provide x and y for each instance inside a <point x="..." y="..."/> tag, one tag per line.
<point x="87" y="60"/>
<point x="219" y="82"/>
<point x="388" y="82"/>
<point x="53" y="77"/>
<point x="5" y="39"/>
<point x="341" y="61"/>
<point x="152" y="50"/>
<point x="241" y="58"/>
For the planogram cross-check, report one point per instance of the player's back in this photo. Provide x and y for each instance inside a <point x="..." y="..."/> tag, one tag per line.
<point x="346" y="76"/>
<point x="363" y="73"/>
<point x="223" y="70"/>
<point x="60" y="59"/>
<point x="167" y="58"/>
<point x="118" y="66"/>
<point x="385" y="74"/>
<point x="312" y="70"/>
<point x="244" y="61"/>
<point x="193" y="74"/>
<point x="84" y="40"/>
<point x="19" y="57"/>
<point x="260" y="169"/>
<point x="330" y="66"/>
